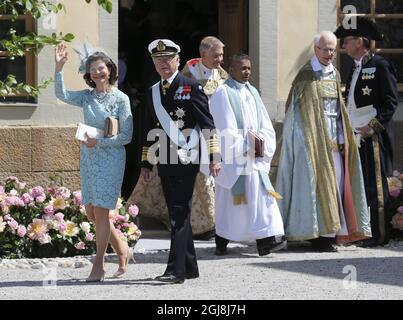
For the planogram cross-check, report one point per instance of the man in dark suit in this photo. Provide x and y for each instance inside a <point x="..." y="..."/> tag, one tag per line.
<point x="177" y="107"/>
<point x="372" y="83"/>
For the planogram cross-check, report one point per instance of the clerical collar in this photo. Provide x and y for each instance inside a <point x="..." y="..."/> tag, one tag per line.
<point x="171" y="78"/>
<point x="317" y="66"/>
<point x="240" y="85"/>
<point x="206" y="71"/>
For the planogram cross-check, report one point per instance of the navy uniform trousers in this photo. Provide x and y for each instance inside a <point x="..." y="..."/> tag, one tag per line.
<point x="178" y="191"/>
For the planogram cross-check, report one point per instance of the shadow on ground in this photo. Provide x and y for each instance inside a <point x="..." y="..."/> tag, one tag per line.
<point x="376" y="270"/>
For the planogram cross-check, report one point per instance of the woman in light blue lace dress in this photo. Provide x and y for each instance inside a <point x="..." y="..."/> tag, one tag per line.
<point x="102" y="160"/>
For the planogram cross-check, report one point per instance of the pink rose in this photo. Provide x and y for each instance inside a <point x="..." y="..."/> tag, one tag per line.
<point x="80" y="245"/>
<point x="133" y="210"/>
<point x="49" y="210"/>
<point x="62" y="227"/>
<point x="26" y="198"/>
<point x="400" y="209"/>
<point x="13" y="224"/>
<point x="40" y="199"/>
<point x="394" y="193"/>
<point x="37" y="191"/>
<point x="21" y="231"/>
<point x="59" y="216"/>
<point x="77" y="198"/>
<point x="89" y="237"/>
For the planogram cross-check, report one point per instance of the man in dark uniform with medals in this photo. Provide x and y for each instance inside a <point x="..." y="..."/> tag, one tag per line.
<point x="371" y="91"/>
<point x="177" y="109"/>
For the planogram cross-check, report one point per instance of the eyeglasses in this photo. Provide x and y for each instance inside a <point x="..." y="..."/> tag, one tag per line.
<point x="327" y="50"/>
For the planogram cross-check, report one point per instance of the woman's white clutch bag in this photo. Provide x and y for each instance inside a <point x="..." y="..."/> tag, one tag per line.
<point x="92" y="132"/>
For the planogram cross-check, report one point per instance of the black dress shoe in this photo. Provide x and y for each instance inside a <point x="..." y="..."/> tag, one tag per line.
<point x="163" y="276"/>
<point x="271" y="244"/>
<point x="263" y="251"/>
<point x="192" y="276"/>
<point x="368" y="243"/>
<point x="221" y="251"/>
<point x="172" y="279"/>
<point x="328" y="248"/>
<point x="323" y="244"/>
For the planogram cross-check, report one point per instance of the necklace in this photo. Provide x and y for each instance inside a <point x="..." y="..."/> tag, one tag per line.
<point x="100" y="96"/>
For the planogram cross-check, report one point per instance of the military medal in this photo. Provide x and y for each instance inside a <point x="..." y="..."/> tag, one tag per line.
<point x="368" y="73"/>
<point x="366" y="91"/>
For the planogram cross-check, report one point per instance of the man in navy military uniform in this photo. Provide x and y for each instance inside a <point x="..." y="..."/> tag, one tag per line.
<point x="372" y="83"/>
<point x="177" y="105"/>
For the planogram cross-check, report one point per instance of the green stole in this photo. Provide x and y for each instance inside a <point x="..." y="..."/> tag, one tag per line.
<point x="238" y="190"/>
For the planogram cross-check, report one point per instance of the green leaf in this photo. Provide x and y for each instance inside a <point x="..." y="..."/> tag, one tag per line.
<point x="109" y="7"/>
<point x="27" y="89"/>
<point x="68" y="37"/>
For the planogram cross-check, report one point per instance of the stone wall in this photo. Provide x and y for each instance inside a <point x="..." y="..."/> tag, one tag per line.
<point x="33" y="153"/>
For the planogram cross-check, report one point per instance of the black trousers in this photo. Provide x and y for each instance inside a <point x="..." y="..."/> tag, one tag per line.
<point x="368" y="171"/>
<point x="178" y="192"/>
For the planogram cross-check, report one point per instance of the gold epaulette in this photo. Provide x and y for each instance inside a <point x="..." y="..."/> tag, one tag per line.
<point x="144" y="154"/>
<point x="376" y="125"/>
<point x="212" y="145"/>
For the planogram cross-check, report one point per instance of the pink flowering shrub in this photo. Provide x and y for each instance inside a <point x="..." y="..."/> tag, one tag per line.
<point x="396" y="200"/>
<point x="51" y="222"/>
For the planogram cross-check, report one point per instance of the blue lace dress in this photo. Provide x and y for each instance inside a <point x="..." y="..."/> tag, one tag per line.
<point x="102" y="167"/>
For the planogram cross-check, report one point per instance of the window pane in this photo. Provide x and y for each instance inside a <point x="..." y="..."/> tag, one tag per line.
<point x="362" y="6"/>
<point x="15" y="67"/>
<point x="6" y="25"/>
<point x="389" y="6"/>
<point x="393" y="30"/>
<point x="5" y="9"/>
<point x="397" y="61"/>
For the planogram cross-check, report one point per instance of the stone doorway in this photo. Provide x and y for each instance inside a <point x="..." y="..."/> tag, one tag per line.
<point x="185" y="22"/>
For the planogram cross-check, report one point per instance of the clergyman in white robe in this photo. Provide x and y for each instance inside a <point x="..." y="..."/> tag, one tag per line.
<point x="260" y="217"/>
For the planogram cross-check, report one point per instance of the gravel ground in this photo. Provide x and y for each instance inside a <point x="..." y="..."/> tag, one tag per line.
<point x="296" y="273"/>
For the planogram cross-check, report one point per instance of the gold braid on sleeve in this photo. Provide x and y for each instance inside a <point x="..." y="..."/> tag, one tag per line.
<point x="376" y="125"/>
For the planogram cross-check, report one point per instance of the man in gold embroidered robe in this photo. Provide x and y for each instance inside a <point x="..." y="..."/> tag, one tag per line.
<point x="319" y="174"/>
<point x="208" y="72"/>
